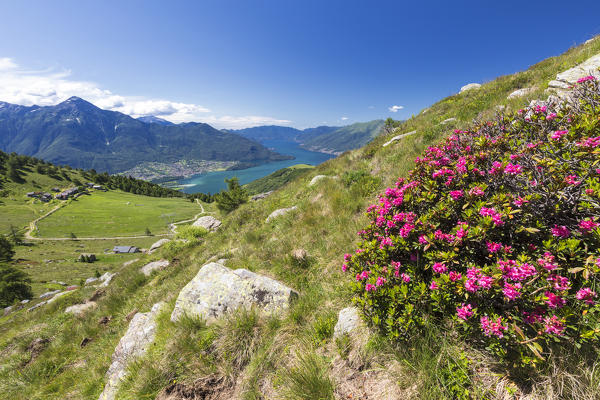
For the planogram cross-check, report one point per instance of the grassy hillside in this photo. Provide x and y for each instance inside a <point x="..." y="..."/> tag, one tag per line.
<point x="277" y="179"/>
<point x="294" y="356"/>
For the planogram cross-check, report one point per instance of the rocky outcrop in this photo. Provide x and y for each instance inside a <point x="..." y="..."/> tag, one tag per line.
<point x="207" y="222"/>
<point x="158" y="245"/>
<point x="133" y="344"/>
<point x="570" y="77"/>
<point x="348" y="321"/>
<point x="398" y="137"/>
<point x="520" y="93"/>
<point x="106" y="278"/>
<point x="470" y="86"/>
<point x="154" y="266"/>
<point x="216" y="290"/>
<point x="49" y="294"/>
<point x="280" y="212"/>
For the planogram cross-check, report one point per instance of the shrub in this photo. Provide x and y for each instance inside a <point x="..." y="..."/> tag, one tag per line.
<point x="189" y="232"/>
<point x="496" y="231"/>
<point x="230" y="199"/>
<point x="14" y="285"/>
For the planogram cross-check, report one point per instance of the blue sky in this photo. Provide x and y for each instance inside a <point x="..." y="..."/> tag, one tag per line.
<point x="298" y="63"/>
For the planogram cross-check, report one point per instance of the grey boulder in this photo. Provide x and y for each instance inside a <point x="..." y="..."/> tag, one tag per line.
<point x="207" y="222"/>
<point x="154" y="266"/>
<point x="216" y="290"/>
<point x="348" y="321"/>
<point x="280" y="212"/>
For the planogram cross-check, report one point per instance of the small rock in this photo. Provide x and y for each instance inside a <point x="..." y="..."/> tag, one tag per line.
<point x="280" y="212"/>
<point x="134" y="344"/>
<point x="348" y="320"/>
<point x="157" y="245"/>
<point x="207" y="222"/>
<point x="299" y="254"/>
<point x="38" y="305"/>
<point x="448" y="120"/>
<point x="154" y="266"/>
<point x="80" y="309"/>
<point x="57" y="296"/>
<point x="7" y="310"/>
<point x="216" y="290"/>
<point x="316" y="179"/>
<point x="25" y="301"/>
<point x="49" y="294"/>
<point x="398" y="137"/>
<point x="90" y="280"/>
<point x="261" y="196"/>
<point x="520" y="93"/>
<point x="470" y="86"/>
<point x="126" y="263"/>
<point x="106" y="278"/>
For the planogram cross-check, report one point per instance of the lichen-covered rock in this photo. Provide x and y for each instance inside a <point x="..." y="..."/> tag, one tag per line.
<point x="348" y="321"/>
<point x="157" y="245"/>
<point x="398" y="137"/>
<point x="207" y="222"/>
<point x="91" y="280"/>
<point x="154" y="266"/>
<point x="569" y="77"/>
<point x="520" y="93"/>
<point x="280" y="212"/>
<point x="80" y="309"/>
<point x="216" y="290"/>
<point x="470" y="86"/>
<point x="133" y="344"/>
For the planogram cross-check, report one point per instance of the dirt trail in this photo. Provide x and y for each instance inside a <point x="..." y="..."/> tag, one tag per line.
<point x="172" y="228"/>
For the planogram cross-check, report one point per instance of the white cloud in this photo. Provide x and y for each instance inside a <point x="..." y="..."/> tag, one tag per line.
<point x="51" y="87"/>
<point x="344" y="118"/>
<point x="395" y="108"/>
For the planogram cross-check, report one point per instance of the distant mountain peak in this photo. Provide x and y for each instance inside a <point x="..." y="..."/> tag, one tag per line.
<point x="151" y="119"/>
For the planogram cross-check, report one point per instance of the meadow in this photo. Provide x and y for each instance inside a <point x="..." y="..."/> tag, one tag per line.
<point x="115" y="213"/>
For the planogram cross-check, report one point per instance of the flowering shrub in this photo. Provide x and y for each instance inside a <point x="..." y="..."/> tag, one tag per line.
<point x="495" y="230"/>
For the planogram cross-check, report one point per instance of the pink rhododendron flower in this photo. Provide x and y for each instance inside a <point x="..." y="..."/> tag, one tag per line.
<point x="586" y="78"/>
<point x="558" y="134"/>
<point x="380" y="281"/>
<point x="490" y="327"/>
<point x="423" y="239"/>
<point x="476" y="191"/>
<point x="344" y="267"/>
<point x="494" y="247"/>
<point x="554" y="301"/>
<point x="553" y="325"/>
<point x="464" y="311"/>
<point x="550" y="116"/>
<point x="561" y="231"/>
<point x="511" y="291"/>
<point x="439" y="268"/>
<point x="572" y="180"/>
<point x="587" y="295"/>
<point x="590" y="143"/>
<point x="587" y="225"/>
<point x="434" y="285"/>
<point x="513" y="169"/>
<point x="363" y="275"/>
<point x="560" y="282"/>
<point x="532" y="318"/>
<point x="589" y="191"/>
<point x="519" y="201"/>
<point x="370" y="287"/>
<point x="405" y="278"/>
<point x="454" y="276"/>
<point x="456" y="194"/>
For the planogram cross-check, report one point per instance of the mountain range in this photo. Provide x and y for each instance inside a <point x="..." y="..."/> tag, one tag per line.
<point x="79" y="134"/>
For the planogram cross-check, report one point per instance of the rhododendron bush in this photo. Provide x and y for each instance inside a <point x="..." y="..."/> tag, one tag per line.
<point x="496" y="231"/>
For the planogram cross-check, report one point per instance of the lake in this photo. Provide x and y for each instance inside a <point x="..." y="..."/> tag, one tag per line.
<point x="213" y="182"/>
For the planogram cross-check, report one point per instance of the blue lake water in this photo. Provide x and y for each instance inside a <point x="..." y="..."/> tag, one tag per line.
<point x="213" y="182"/>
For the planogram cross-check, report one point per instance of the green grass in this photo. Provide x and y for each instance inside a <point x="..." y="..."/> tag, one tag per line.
<point x="116" y="213"/>
<point x="293" y="356"/>
<point x="277" y="179"/>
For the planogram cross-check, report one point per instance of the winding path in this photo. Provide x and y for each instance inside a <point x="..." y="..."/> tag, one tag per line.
<point x="172" y="228"/>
